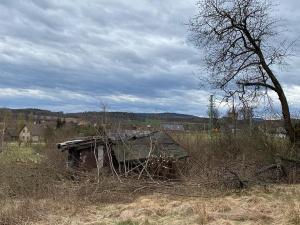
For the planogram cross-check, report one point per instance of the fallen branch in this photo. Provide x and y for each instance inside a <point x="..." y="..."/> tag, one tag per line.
<point x="296" y="161"/>
<point x="242" y="183"/>
<point x="266" y="168"/>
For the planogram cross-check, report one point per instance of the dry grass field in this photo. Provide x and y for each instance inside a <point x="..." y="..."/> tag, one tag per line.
<point x="36" y="189"/>
<point x="277" y="204"/>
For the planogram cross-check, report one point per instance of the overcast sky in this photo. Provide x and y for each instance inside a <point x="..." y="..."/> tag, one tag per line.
<point x="131" y="55"/>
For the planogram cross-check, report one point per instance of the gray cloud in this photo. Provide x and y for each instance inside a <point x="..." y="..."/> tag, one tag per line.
<point x="134" y="55"/>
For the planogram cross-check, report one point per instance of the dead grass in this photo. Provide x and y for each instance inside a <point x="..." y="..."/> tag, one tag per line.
<point x="202" y="216"/>
<point x="34" y="185"/>
<point x="249" y="207"/>
<point x="36" y="189"/>
<point x="294" y="214"/>
<point x="16" y="212"/>
<point x="127" y="222"/>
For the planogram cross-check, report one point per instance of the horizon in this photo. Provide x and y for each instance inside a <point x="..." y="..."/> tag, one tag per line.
<point x="262" y="116"/>
<point x="41" y="109"/>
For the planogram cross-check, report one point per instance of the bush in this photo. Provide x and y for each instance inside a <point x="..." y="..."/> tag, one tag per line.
<point x="214" y="158"/>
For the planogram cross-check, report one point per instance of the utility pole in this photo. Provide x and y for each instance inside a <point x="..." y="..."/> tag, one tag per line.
<point x="211" y="108"/>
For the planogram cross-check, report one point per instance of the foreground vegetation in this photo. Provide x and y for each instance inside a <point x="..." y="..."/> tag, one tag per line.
<point x="277" y="204"/>
<point x="35" y="187"/>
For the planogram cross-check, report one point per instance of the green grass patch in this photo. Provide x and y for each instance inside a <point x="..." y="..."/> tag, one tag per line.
<point x="16" y="153"/>
<point x="127" y="222"/>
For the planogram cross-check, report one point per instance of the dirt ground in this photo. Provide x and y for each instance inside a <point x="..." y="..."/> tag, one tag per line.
<point x="259" y="205"/>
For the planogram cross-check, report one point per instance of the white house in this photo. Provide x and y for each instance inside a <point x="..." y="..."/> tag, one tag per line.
<point x="33" y="133"/>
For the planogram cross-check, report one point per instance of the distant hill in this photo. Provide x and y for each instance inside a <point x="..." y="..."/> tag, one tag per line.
<point x="115" y="116"/>
<point x="39" y="112"/>
<point x="170" y="117"/>
<point x="95" y="116"/>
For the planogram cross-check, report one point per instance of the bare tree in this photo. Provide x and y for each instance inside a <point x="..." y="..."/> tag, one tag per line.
<point x="239" y="38"/>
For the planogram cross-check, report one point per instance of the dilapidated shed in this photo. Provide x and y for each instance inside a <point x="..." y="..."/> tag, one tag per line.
<point x="124" y="151"/>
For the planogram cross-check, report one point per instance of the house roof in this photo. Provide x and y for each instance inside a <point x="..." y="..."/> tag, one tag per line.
<point x="173" y="127"/>
<point x="13" y="132"/>
<point x="111" y="138"/>
<point x="35" y="129"/>
<point x="9" y="129"/>
<point x="158" y="144"/>
<point x="130" y="148"/>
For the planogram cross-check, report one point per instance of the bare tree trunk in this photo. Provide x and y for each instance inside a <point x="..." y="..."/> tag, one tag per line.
<point x="286" y="115"/>
<point x="277" y="88"/>
<point x="282" y="98"/>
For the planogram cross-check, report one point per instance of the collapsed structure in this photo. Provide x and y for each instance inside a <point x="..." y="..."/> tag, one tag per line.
<point x="157" y="151"/>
